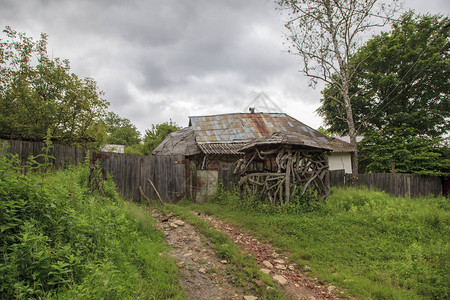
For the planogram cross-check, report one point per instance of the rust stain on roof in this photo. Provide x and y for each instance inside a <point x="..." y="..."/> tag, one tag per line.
<point x="245" y="127"/>
<point x="259" y="124"/>
<point x="284" y="138"/>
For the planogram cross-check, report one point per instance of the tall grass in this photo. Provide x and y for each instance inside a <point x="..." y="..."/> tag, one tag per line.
<point x="60" y="239"/>
<point x="372" y="244"/>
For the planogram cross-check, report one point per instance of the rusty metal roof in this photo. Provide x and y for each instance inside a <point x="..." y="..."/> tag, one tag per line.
<point x="245" y="127"/>
<point x="227" y="134"/>
<point x="283" y="138"/>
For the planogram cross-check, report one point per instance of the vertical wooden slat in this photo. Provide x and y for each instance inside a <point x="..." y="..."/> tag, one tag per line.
<point x="130" y="171"/>
<point x="397" y="184"/>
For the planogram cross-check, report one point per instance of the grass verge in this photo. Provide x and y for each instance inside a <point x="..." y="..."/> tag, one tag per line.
<point x="374" y="245"/>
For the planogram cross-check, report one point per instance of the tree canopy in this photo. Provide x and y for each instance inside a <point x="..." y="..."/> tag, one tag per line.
<point x="39" y="96"/>
<point x="121" y="131"/>
<point x="401" y="103"/>
<point x="157" y="134"/>
<point x="326" y="34"/>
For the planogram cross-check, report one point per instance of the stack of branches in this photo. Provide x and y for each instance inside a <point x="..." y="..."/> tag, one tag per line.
<point x="291" y="171"/>
<point x="97" y="173"/>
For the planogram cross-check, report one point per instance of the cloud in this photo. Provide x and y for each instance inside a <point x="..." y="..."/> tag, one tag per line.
<point x="159" y="60"/>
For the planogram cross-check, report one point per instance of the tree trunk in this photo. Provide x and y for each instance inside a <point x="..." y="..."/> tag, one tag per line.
<point x="344" y="75"/>
<point x="351" y="129"/>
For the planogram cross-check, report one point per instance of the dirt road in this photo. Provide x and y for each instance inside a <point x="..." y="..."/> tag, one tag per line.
<point x="205" y="276"/>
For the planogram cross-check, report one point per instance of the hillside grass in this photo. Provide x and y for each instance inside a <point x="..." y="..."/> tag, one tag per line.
<point x="60" y="239"/>
<point x="370" y="244"/>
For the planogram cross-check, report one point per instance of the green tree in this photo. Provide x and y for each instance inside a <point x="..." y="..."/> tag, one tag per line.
<point x="157" y="134"/>
<point x="326" y="34"/>
<point x="402" y="149"/>
<point x="401" y="103"/>
<point x="121" y="131"/>
<point x="39" y="95"/>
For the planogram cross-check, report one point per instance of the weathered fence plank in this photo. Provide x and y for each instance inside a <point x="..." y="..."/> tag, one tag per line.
<point x="128" y="171"/>
<point x="226" y="176"/>
<point x="131" y="171"/>
<point x="397" y="184"/>
<point x="337" y="178"/>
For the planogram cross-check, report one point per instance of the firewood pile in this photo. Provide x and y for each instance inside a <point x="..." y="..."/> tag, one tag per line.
<point x="279" y="173"/>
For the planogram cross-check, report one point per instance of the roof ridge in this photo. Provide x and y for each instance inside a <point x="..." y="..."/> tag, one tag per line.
<point x="241" y="113"/>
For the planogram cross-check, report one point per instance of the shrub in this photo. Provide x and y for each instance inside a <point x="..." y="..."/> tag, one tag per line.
<point x="59" y="238"/>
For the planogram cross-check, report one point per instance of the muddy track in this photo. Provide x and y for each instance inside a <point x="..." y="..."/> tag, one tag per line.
<point x="204" y="275"/>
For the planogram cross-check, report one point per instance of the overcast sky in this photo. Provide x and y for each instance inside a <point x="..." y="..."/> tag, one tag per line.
<point x="169" y="59"/>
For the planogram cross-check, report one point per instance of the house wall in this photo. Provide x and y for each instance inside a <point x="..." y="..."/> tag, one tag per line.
<point x="340" y="161"/>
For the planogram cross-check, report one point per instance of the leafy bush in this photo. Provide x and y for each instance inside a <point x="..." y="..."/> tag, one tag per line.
<point x="59" y="238"/>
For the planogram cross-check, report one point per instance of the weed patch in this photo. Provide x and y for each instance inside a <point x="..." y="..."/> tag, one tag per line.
<point x="60" y="239"/>
<point x="307" y="202"/>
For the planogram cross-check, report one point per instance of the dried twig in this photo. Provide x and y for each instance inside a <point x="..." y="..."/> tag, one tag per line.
<point x="100" y="187"/>
<point x="157" y="194"/>
<point x="143" y="195"/>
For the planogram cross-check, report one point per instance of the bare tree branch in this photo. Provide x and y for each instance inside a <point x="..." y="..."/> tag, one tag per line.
<point x="326" y="34"/>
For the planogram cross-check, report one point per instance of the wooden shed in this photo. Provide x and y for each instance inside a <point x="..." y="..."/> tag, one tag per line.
<point x="281" y="165"/>
<point x="213" y="144"/>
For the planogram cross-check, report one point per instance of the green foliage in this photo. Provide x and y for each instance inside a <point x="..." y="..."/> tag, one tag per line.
<point x="121" y="131"/>
<point x="59" y="239"/>
<point x="326" y="132"/>
<point x="400" y="96"/>
<point x="157" y="134"/>
<point x="136" y="149"/>
<point x="39" y="94"/>
<point x="41" y="162"/>
<point x="402" y="148"/>
<point x="307" y="202"/>
<point x="373" y="245"/>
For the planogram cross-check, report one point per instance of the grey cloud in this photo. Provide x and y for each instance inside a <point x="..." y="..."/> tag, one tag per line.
<point x="167" y="59"/>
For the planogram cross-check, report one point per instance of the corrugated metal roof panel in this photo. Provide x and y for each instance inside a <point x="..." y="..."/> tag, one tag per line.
<point x="244" y="127"/>
<point x="284" y="138"/>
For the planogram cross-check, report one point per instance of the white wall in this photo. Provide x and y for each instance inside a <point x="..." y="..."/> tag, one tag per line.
<point x="339" y="161"/>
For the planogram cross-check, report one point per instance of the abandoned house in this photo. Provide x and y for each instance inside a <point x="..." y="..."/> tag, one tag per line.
<point x="214" y="145"/>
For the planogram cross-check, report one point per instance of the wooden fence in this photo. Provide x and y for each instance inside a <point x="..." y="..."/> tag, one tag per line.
<point x="337" y="178"/>
<point x="397" y="184"/>
<point x="131" y="171"/>
<point x="64" y="155"/>
<point x="128" y="171"/>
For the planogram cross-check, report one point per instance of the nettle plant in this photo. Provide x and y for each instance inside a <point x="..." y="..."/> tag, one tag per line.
<point x="48" y="229"/>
